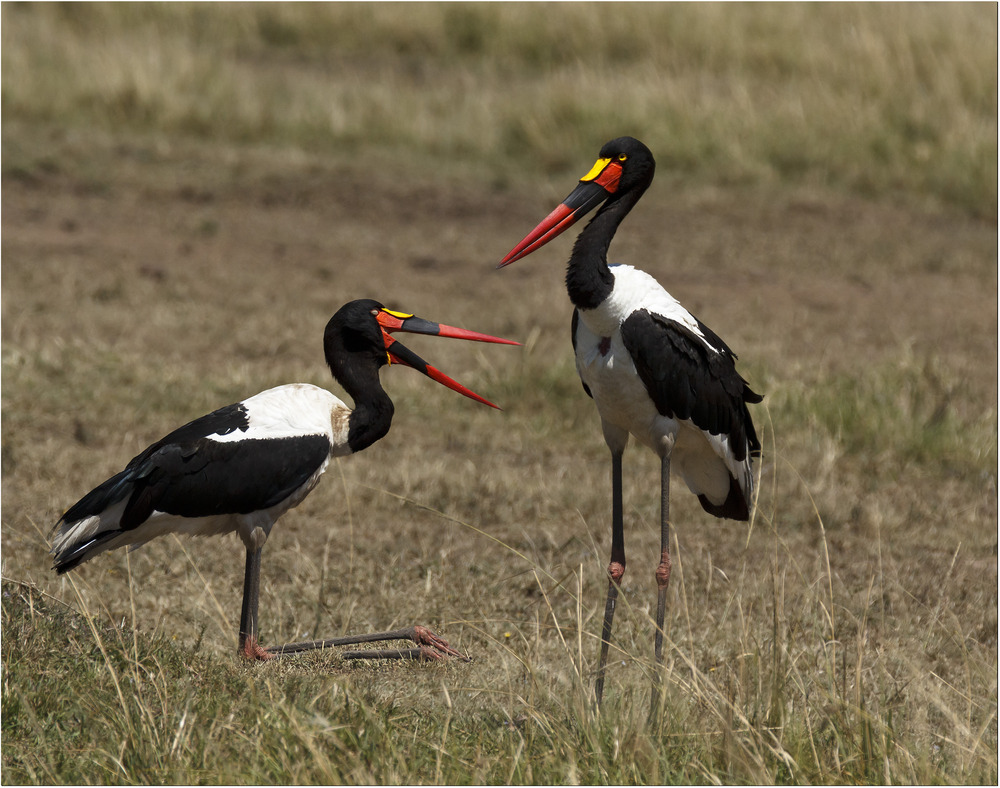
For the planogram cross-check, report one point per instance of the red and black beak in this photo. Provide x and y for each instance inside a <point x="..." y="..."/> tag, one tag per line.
<point x="391" y="322"/>
<point x="594" y="188"/>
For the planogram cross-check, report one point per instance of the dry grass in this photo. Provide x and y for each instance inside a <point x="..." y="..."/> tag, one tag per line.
<point x="154" y="269"/>
<point x="881" y="99"/>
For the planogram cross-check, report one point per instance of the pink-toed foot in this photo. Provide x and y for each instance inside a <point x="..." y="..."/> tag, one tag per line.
<point x="422" y="636"/>
<point x="253" y="650"/>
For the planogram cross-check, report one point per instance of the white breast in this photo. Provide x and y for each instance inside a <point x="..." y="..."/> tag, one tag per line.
<point x="606" y="367"/>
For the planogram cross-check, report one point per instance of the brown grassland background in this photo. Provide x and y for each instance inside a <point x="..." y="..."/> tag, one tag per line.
<point x="190" y="191"/>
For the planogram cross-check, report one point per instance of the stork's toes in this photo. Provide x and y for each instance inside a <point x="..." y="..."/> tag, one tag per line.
<point x="252" y="649"/>
<point x="422" y="636"/>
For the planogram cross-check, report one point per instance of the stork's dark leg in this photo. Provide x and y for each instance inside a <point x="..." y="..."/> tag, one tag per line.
<point x="430" y="645"/>
<point x="249" y="645"/>
<point x="616" y="569"/>
<point x="662" y="581"/>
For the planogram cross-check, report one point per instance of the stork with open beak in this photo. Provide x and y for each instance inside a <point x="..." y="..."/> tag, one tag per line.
<point x="244" y="465"/>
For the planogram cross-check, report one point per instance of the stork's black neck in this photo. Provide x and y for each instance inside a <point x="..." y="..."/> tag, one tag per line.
<point x="372" y="415"/>
<point x="355" y="351"/>
<point x="369" y="421"/>
<point x="589" y="281"/>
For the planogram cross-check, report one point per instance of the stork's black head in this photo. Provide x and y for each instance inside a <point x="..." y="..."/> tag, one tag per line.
<point x="358" y="342"/>
<point x="353" y="343"/>
<point x="636" y="161"/>
<point x="624" y="167"/>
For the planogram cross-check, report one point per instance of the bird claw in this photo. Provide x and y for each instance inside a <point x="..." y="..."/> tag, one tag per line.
<point x="432" y="646"/>
<point x="251" y="649"/>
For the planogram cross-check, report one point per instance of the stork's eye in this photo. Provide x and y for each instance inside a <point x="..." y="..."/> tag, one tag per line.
<point x="374" y="312"/>
<point x="622" y="157"/>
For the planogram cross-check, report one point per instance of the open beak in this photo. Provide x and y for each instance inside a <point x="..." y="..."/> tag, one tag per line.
<point x="392" y="321"/>
<point x="593" y="189"/>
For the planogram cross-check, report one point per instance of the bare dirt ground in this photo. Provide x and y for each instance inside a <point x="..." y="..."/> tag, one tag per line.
<point x="145" y="285"/>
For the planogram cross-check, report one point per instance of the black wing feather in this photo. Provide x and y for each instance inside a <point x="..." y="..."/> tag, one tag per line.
<point x="211" y="478"/>
<point x="219" y="422"/>
<point x="186" y="474"/>
<point x="687" y="379"/>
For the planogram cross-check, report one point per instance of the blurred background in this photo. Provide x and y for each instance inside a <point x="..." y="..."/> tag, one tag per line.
<point x="877" y="100"/>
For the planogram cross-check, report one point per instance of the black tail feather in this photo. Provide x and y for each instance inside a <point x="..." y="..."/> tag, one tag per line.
<point x="733" y="508"/>
<point x="93" y="504"/>
<point x="74" y="555"/>
<point x="101" y="497"/>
